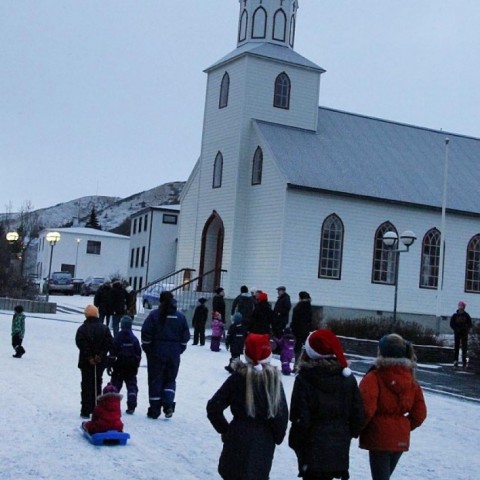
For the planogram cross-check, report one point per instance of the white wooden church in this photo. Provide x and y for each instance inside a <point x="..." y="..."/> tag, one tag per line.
<point x="289" y="193"/>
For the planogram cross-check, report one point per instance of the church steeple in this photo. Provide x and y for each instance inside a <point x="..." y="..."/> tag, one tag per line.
<point x="271" y="21"/>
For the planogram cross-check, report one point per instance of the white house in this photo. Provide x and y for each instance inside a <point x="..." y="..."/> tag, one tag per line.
<point x="153" y="244"/>
<point x="83" y="252"/>
<point x="289" y="193"/>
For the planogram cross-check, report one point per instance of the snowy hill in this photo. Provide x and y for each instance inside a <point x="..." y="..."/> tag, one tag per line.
<point x="112" y="212"/>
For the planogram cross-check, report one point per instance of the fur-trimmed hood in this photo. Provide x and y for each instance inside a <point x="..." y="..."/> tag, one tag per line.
<point x="105" y="396"/>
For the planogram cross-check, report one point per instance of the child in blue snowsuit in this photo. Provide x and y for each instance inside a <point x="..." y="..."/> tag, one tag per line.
<point x="235" y="340"/>
<point x="127" y="354"/>
<point x="218" y="328"/>
<point x="286" y="344"/>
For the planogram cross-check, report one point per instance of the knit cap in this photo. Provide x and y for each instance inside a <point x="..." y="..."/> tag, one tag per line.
<point x="202" y="300"/>
<point x="258" y="350"/>
<point x="237" y="317"/>
<point x="126" y="322"/>
<point x="91" y="311"/>
<point x="109" y="388"/>
<point x="325" y="344"/>
<point x="392" y="346"/>
<point x="262" y="297"/>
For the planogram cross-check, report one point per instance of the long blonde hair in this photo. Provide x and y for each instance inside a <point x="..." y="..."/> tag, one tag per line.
<point x="268" y="379"/>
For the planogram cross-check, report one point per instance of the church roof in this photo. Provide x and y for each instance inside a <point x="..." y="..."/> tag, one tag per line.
<point x="267" y="50"/>
<point x="368" y="157"/>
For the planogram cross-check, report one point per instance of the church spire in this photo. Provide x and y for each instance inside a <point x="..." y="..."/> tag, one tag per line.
<point x="271" y="21"/>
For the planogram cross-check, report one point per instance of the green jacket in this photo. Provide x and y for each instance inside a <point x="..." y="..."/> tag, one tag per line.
<point x="18" y="325"/>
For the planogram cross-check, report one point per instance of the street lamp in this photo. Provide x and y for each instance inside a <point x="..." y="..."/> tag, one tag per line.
<point x="76" y="255"/>
<point x="390" y="239"/>
<point x="52" y="238"/>
<point x="16" y="251"/>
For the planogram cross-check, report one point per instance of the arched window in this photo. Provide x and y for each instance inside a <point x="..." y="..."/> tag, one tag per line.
<point x="224" y="88"/>
<point x="430" y="259"/>
<point x="259" y="24"/>
<point x="242" y="29"/>
<point x="217" y="171"/>
<point x="279" y="25"/>
<point x="291" y="39"/>
<point x="384" y="261"/>
<point x="331" y="248"/>
<point x="472" y="270"/>
<point x="257" y="167"/>
<point x="281" y="97"/>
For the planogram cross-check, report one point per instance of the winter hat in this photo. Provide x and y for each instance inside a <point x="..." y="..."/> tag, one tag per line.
<point x="281" y="287"/>
<point x="258" y="350"/>
<point x="18" y="309"/>
<point x="461" y="304"/>
<point x="126" y="322"/>
<point x="166" y="297"/>
<point x="202" y="300"/>
<point x="243" y="289"/>
<point x="304" y="295"/>
<point x="218" y="290"/>
<point x="392" y="346"/>
<point x="237" y="317"/>
<point x="91" y="311"/>
<point x="325" y="344"/>
<point x="262" y="297"/>
<point x="109" y="388"/>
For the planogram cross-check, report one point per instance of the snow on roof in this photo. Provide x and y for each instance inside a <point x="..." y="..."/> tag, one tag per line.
<point x="85" y="231"/>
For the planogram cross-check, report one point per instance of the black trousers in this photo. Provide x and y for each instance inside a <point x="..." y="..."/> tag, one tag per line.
<point x="461" y="339"/>
<point x="89" y="389"/>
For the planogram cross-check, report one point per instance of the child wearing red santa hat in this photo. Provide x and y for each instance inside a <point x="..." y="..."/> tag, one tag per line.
<point x="256" y="398"/>
<point x="326" y="410"/>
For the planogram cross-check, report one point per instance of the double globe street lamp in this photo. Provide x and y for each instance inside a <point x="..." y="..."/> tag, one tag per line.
<point x="52" y="238"/>
<point x="391" y="240"/>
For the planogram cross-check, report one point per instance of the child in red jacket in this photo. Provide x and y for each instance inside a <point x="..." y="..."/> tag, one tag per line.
<point x="107" y="414"/>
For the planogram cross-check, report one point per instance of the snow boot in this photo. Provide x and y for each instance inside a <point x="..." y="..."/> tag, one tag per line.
<point x="168" y="411"/>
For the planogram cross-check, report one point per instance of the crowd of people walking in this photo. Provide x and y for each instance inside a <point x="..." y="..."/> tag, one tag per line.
<point x="327" y="407"/>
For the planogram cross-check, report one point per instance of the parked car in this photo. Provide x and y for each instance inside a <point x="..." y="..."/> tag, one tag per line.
<point x="59" y="282"/>
<point x="90" y="285"/>
<point x="151" y="295"/>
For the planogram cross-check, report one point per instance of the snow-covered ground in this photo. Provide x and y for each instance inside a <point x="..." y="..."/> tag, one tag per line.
<point x="40" y="407"/>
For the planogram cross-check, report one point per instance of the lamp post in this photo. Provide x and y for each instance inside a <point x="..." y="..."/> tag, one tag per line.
<point x="390" y="239"/>
<point x="76" y="256"/>
<point x="16" y="257"/>
<point x="52" y="238"/>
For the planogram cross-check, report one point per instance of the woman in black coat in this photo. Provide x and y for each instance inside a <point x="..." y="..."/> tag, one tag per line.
<point x="255" y="395"/>
<point x="262" y="318"/>
<point x="301" y="322"/>
<point x="326" y="409"/>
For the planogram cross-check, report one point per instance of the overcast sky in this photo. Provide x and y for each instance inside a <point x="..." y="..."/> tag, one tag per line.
<point x="106" y="97"/>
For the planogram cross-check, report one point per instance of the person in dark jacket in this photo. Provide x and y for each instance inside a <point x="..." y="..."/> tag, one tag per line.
<point x="94" y="341"/>
<point x="243" y="304"/>
<point x="119" y="302"/>
<point x="255" y="395"/>
<point x="127" y="354"/>
<point x="102" y="300"/>
<point x="326" y="409"/>
<point x="218" y="302"/>
<point x="199" y="320"/>
<point x="18" y="331"/>
<point x="107" y="414"/>
<point x="165" y="335"/>
<point x="460" y="323"/>
<point x="286" y="345"/>
<point x="281" y="311"/>
<point x="235" y="341"/>
<point x="262" y="317"/>
<point x="301" y="322"/>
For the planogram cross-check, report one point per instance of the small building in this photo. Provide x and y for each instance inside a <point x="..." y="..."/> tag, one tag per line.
<point x="153" y="244"/>
<point x="83" y="252"/>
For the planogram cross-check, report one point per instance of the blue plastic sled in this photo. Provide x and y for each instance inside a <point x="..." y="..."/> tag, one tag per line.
<point x="112" y="437"/>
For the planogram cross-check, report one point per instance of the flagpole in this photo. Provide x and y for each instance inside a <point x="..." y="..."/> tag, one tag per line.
<point x="442" y="239"/>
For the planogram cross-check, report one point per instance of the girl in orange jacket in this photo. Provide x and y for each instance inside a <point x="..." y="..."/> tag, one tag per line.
<point x="393" y="403"/>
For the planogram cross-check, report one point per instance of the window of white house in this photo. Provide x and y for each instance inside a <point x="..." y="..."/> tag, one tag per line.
<point x="224" y="89"/>
<point x="217" y="171"/>
<point x="242" y="31"/>
<point x="139" y="224"/>
<point x="259" y="25"/>
<point x="145" y="223"/>
<point x="331" y="248"/>
<point x="279" y="25"/>
<point x="132" y="257"/>
<point x="292" y="30"/>
<point x="137" y="256"/>
<point x="257" y="167"/>
<point x="430" y="259"/>
<point x="472" y="270"/>
<point x="384" y="261"/>
<point x="281" y="97"/>
<point x="94" y="247"/>
<point x="168" y="218"/>
<point x="134" y="228"/>
<point x="142" y="263"/>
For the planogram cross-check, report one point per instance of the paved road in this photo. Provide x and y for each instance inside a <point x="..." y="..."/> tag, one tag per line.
<point x="437" y="378"/>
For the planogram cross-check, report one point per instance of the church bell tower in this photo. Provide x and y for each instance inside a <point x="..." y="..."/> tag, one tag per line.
<point x="270" y="21"/>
